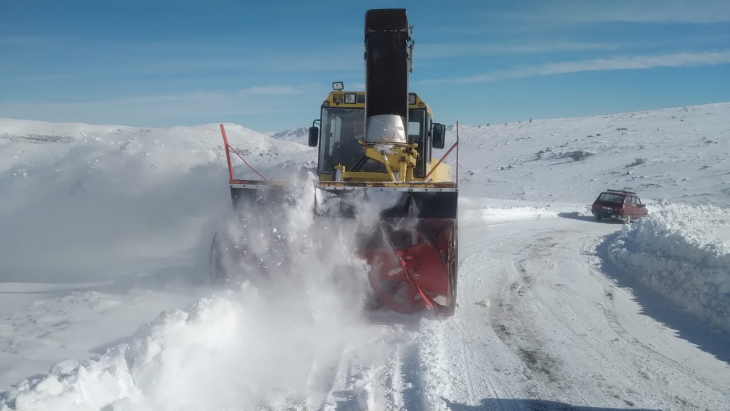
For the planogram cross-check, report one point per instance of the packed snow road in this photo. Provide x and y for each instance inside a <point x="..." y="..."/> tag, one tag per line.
<point x="545" y="322"/>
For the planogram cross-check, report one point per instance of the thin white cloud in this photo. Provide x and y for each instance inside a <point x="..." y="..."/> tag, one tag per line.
<point x="614" y="63"/>
<point x="444" y="50"/>
<point x="18" y="41"/>
<point x="140" y="58"/>
<point x="269" y="63"/>
<point x="636" y="62"/>
<point x="629" y="11"/>
<point x="274" y="90"/>
<point x="157" y="109"/>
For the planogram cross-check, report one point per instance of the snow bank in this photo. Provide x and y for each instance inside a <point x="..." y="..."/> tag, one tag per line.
<point x="207" y="355"/>
<point x="236" y="351"/>
<point x="682" y="252"/>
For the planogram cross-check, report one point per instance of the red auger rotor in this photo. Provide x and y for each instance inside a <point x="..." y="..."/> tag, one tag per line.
<point x="416" y="277"/>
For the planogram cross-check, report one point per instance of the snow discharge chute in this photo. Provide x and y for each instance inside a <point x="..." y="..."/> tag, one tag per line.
<point x="376" y="167"/>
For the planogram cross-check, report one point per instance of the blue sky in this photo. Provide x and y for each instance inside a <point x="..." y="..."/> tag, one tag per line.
<point x="268" y="65"/>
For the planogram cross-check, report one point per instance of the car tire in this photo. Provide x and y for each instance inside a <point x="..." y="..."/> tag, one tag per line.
<point x="598" y="218"/>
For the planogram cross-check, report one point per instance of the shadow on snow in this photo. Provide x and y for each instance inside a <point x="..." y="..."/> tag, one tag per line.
<point x="529" y="405"/>
<point x="578" y="216"/>
<point x="687" y="326"/>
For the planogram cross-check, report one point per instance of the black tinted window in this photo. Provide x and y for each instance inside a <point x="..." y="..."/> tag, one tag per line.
<point x="611" y="198"/>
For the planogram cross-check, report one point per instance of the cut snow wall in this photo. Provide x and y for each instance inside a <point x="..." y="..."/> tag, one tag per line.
<point x="678" y="251"/>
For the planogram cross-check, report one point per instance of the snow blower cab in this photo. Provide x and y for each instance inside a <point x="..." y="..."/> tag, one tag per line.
<point x="375" y="152"/>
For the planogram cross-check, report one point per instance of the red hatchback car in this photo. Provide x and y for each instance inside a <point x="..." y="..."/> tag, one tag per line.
<point x="618" y="205"/>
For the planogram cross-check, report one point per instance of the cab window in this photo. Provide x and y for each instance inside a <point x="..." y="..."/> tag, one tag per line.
<point x="341" y="129"/>
<point x="416" y="132"/>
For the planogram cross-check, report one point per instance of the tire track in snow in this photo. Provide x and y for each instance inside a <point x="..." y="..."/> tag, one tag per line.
<point x="571" y="321"/>
<point x="391" y="380"/>
<point x="467" y="366"/>
<point x="386" y="374"/>
<point x="520" y="336"/>
<point x="468" y="327"/>
<point x="472" y="244"/>
<point x="546" y="336"/>
<point x="525" y="313"/>
<point x="541" y="249"/>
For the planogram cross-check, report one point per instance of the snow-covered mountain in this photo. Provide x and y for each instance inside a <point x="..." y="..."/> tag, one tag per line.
<point x="297" y="135"/>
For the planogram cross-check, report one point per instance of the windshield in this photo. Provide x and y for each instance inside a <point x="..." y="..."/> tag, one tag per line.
<point x="611" y="198"/>
<point x="341" y="129"/>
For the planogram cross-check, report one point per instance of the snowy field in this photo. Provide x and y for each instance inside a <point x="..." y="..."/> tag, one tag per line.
<point x="105" y="305"/>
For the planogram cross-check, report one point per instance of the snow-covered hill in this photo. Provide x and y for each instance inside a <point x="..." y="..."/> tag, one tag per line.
<point x="680" y="154"/>
<point x="105" y="233"/>
<point x="52" y="176"/>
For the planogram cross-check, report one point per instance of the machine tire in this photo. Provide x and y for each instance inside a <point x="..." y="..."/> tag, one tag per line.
<point x="454" y="277"/>
<point x="216" y="270"/>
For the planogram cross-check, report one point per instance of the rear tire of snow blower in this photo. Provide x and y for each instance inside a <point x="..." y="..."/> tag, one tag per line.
<point x="216" y="270"/>
<point x="453" y="264"/>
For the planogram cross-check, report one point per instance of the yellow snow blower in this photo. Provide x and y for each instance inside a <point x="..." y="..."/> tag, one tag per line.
<point x="376" y="147"/>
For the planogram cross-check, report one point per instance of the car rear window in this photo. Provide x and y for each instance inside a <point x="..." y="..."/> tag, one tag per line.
<point x="611" y="198"/>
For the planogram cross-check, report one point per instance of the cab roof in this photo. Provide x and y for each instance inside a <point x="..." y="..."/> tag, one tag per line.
<point x="337" y="99"/>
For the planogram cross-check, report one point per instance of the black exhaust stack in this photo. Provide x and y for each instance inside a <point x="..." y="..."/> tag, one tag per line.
<point x="387" y="64"/>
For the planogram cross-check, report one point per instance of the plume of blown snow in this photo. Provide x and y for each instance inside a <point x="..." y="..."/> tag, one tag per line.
<point x="268" y="340"/>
